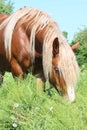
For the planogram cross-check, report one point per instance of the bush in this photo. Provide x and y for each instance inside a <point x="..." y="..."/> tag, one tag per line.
<point x="81" y="52"/>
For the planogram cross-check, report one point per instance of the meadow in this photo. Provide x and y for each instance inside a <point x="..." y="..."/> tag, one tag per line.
<point x="25" y="106"/>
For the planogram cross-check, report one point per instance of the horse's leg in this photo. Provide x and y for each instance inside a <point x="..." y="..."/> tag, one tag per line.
<point x="16" y="68"/>
<point x="1" y="77"/>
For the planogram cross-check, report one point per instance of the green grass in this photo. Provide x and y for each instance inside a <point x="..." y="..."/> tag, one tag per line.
<point x="24" y="107"/>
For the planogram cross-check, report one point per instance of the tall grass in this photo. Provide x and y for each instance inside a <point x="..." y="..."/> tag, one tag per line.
<point x="23" y="106"/>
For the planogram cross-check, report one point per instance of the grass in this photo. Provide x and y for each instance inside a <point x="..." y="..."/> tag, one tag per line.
<point x="23" y="106"/>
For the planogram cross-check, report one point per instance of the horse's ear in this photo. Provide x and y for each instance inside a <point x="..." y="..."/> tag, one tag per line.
<point x="75" y="46"/>
<point x="55" y="47"/>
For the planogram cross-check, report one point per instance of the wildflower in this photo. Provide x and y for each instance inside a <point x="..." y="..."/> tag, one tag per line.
<point x="16" y="105"/>
<point x="51" y="109"/>
<point x="14" y="125"/>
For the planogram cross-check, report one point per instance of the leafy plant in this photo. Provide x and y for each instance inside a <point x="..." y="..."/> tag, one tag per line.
<point x="81" y="52"/>
<point x="6" y="6"/>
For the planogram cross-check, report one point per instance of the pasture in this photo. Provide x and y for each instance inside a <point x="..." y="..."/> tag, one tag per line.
<point x="24" y="106"/>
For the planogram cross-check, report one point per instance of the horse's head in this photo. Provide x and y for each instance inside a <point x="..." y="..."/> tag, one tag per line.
<point x="64" y="70"/>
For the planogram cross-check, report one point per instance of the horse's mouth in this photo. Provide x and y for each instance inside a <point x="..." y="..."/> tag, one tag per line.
<point x="70" y="94"/>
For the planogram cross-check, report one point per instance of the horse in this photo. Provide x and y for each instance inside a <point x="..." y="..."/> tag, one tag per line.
<point x="30" y="37"/>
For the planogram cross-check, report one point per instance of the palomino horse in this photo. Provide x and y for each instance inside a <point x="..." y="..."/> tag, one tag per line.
<point x="31" y="37"/>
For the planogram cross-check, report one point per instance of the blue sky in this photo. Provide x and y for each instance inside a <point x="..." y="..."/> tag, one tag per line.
<point x="71" y="15"/>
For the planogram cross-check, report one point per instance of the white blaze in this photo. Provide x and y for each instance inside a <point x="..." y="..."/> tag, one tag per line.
<point x="71" y="93"/>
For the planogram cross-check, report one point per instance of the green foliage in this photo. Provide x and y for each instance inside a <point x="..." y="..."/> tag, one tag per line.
<point x="81" y="52"/>
<point x="24" y="107"/>
<point x="6" y="6"/>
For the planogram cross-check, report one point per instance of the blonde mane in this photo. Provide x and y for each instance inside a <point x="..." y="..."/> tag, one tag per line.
<point x="68" y="63"/>
<point x="39" y="20"/>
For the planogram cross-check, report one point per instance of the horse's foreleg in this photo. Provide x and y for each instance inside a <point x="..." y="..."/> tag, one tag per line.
<point x="16" y="68"/>
<point x="1" y="77"/>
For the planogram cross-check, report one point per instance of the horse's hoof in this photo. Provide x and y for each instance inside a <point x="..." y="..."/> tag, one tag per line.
<point x="40" y="85"/>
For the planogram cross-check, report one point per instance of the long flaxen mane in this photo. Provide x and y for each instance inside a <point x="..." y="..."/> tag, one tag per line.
<point x="37" y="21"/>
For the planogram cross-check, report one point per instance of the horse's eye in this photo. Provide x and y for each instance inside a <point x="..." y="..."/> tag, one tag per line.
<point x="56" y="69"/>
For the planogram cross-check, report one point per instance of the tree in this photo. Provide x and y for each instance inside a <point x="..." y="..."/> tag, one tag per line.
<point x="81" y="52"/>
<point x="6" y="6"/>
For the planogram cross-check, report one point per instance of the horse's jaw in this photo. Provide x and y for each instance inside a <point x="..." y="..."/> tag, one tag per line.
<point x="71" y="93"/>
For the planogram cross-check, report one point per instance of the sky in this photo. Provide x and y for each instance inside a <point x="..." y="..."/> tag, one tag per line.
<point x="71" y="15"/>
